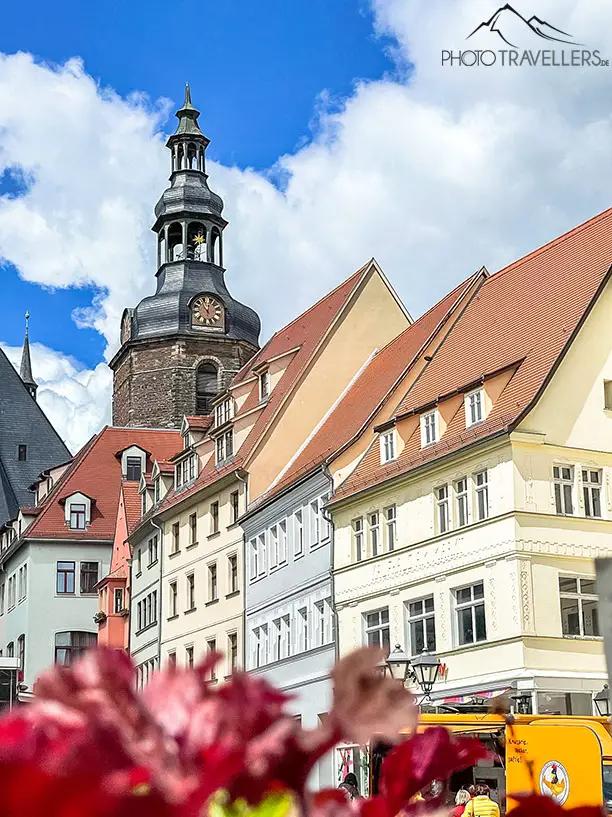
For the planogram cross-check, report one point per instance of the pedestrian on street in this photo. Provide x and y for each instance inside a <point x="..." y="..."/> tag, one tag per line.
<point x="462" y="798"/>
<point x="481" y="805"/>
<point x="350" y="787"/>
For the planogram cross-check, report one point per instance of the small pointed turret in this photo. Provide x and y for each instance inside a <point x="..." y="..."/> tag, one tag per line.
<point x="25" y="370"/>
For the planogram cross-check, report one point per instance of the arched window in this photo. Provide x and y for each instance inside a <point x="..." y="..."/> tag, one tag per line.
<point x="206" y="387"/>
<point x="161" y="250"/>
<point x="196" y="242"/>
<point x="71" y="644"/>
<point x="215" y="247"/>
<point x="175" y="242"/>
<point x="192" y="157"/>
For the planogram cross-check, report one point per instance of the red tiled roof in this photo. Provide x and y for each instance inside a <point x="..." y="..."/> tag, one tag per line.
<point x="132" y="504"/>
<point x="523" y="316"/>
<point x="165" y="466"/>
<point x="96" y="472"/>
<point x="370" y="389"/>
<point x="200" y="422"/>
<point x="303" y="335"/>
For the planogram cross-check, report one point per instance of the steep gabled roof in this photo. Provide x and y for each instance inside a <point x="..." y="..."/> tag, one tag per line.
<point x="96" y="472"/>
<point x="521" y="321"/>
<point x="22" y="422"/>
<point x="369" y="389"/>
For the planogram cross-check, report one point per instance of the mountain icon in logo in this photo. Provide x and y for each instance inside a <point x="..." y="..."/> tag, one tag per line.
<point x="516" y="31"/>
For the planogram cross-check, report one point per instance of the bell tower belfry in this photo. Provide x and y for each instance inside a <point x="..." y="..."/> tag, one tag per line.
<point x="182" y="345"/>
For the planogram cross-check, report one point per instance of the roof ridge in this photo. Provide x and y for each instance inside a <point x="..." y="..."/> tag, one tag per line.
<point x="553" y="242"/>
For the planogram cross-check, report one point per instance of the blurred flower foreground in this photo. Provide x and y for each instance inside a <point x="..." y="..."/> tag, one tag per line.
<point x="92" y="745"/>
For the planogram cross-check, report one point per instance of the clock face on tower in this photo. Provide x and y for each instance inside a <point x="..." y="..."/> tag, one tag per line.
<point x="207" y="312"/>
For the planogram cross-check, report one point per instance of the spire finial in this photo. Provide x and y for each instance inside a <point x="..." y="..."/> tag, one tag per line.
<point x="187" y="94"/>
<point x="27" y="323"/>
<point x="25" y="370"/>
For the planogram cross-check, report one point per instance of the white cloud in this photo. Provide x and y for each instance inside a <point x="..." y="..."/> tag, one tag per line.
<point x="74" y="399"/>
<point x="435" y="171"/>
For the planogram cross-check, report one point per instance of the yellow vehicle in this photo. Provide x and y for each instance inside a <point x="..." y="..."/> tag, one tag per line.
<point x="568" y="758"/>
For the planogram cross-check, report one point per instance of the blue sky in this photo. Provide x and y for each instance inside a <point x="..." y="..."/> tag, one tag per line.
<point x="256" y="69"/>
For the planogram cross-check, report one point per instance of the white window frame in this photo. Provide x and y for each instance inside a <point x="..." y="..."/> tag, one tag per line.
<point x="282" y="542"/>
<point x="443" y="518"/>
<point x="473" y="603"/>
<point x="262" y="547"/>
<point x="303" y="629"/>
<point x="379" y="628"/>
<point x="592" y="492"/>
<point x="315" y="523"/>
<point x="474" y="407"/>
<point x="390" y="514"/>
<point x="224" y="412"/>
<point x="579" y="597"/>
<point x="358" y="539"/>
<point x="462" y="502"/>
<point x="264" y="385"/>
<point x="563" y="498"/>
<point x="173" y="598"/>
<point x="190" y="592"/>
<point x="481" y="494"/>
<point x="253" y="560"/>
<point x="273" y="539"/>
<point x="212" y="579"/>
<point x="298" y="534"/>
<point x="387" y="446"/>
<point x="374" y="537"/>
<point x="426" y="617"/>
<point x="429" y="428"/>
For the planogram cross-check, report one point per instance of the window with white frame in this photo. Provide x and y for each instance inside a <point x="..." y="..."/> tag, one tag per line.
<point x="232" y="564"/>
<point x="232" y="651"/>
<point x="315" y="523"/>
<point x="260" y="646"/>
<point x="78" y="516"/>
<point x="254" y="560"/>
<point x="153" y="550"/>
<point x="263" y="560"/>
<point x="387" y="446"/>
<point x="442" y="509"/>
<point x="461" y="502"/>
<point x="302" y="634"/>
<point x="470" y="613"/>
<point x="474" y="407"/>
<point x="298" y="534"/>
<point x="374" y="533"/>
<point x="421" y="625"/>
<point x="391" y="526"/>
<point x="223" y="412"/>
<point x="172" y="599"/>
<point x="481" y="487"/>
<point x="157" y="490"/>
<point x="591" y="491"/>
<point x="281" y="643"/>
<point x="213" y="585"/>
<point x="225" y="446"/>
<point x="325" y="523"/>
<point x="264" y="385"/>
<point x="563" y="479"/>
<point x="273" y="534"/>
<point x="579" y="606"/>
<point x="429" y="428"/>
<point x="175" y="537"/>
<point x="282" y="542"/>
<point x="358" y="542"/>
<point x="376" y="629"/>
<point x="190" y="578"/>
<point x="319" y="623"/>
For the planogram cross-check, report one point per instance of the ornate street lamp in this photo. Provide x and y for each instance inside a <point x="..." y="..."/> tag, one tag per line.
<point x="423" y="670"/>
<point x="602" y="702"/>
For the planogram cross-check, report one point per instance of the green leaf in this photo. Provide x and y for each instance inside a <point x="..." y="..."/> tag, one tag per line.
<point x="279" y="804"/>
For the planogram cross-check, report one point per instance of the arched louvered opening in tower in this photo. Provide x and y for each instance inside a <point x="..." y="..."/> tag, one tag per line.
<point x="207" y="386"/>
<point x="192" y="157"/>
<point x="175" y="242"/>
<point x="161" y="249"/>
<point x="216" y="250"/>
<point x="197" y="246"/>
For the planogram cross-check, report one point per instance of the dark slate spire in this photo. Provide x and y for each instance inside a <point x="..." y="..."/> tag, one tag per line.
<point x="26" y="363"/>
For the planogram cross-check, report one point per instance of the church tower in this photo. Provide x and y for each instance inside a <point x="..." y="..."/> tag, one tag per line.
<point x="182" y="345"/>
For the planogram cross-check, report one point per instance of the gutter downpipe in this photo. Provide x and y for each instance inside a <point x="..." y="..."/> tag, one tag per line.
<point x="245" y="482"/>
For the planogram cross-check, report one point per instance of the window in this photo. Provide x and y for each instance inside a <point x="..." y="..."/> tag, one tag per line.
<point x="23" y="582"/>
<point x="387" y="446"/>
<point x="429" y="428"/>
<point x="206" y="387"/>
<point x="213" y="590"/>
<point x="22" y="453"/>
<point x="563" y="477"/>
<point x="2" y="591"/>
<point x="303" y="629"/>
<point x="273" y="533"/>
<point x="374" y="533"/>
<point x="391" y="524"/>
<point x="225" y="446"/>
<point x="282" y="542"/>
<point x="358" y="539"/>
<point x="193" y="529"/>
<point x="190" y="592"/>
<point x="71" y="645"/>
<point x="325" y="523"/>
<point x="461" y="502"/>
<point x="214" y="517"/>
<point x="153" y="547"/>
<point x="89" y="577"/>
<point x="259" y="654"/>
<point x="223" y="412"/>
<point x="178" y="477"/>
<point x="147" y="610"/>
<point x="254" y="559"/>
<point x="118" y="600"/>
<point x="77" y="516"/>
<point x="591" y="490"/>
<point x="21" y="653"/>
<point x="234" y="507"/>
<point x="64" y="582"/>
<point x="608" y="394"/>
<point x="421" y="625"/>
<point x="264" y="385"/>
<point x="211" y="647"/>
<point x="11" y="592"/>
<point x="261" y="546"/>
<point x="474" y="407"/>
<point x="481" y="482"/>
<point x="143" y="503"/>
<point x="443" y="517"/>
<point x="139" y="561"/>
<point x="579" y="608"/>
<point x="377" y="629"/>
<point x="172" y="599"/>
<point x="470" y="609"/>
<point x="189" y="657"/>
<point x="314" y="523"/>
<point x="321" y="609"/>
<point x="298" y="534"/>
<point x="232" y="562"/>
<point x="157" y="490"/>
<point x="175" y="537"/>
<point x="172" y="659"/>
<point x="191" y="462"/>
<point x="133" y="470"/>
<point x="232" y="641"/>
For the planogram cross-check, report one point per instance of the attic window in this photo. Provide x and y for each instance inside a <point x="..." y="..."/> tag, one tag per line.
<point x="22" y="453"/>
<point x="387" y="446"/>
<point x="608" y="394"/>
<point x="429" y="428"/>
<point x="474" y="407"/>
<point x="223" y="412"/>
<point x="264" y="385"/>
<point x="77" y="516"/>
<point x="133" y="469"/>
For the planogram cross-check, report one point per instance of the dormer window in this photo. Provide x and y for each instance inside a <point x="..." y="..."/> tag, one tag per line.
<point x="77" y="516"/>
<point x="474" y="407"/>
<point x="22" y="453"/>
<point x="144" y="503"/>
<point x="429" y="428"/>
<point x="77" y="511"/>
<point x="225" y="446"/>
<point x="264" y="385"/>
<point x="133" y="470"/>
<point x="133" y="460"/>
<point x="387" y="446"/>
<point x="223" y="412"/>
